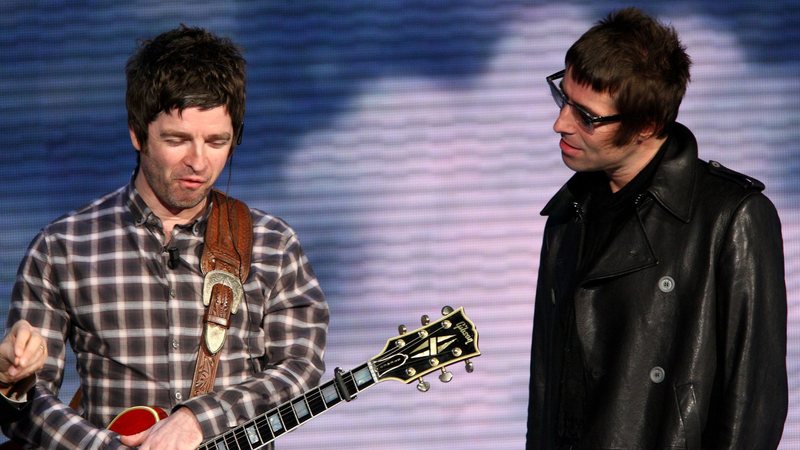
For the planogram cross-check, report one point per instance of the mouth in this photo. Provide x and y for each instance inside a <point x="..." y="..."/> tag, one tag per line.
<point x="567" y="149"/>
<point x="191" y="183"/>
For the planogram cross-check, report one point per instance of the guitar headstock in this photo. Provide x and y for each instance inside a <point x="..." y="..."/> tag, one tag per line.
<point x="435" y="345"/>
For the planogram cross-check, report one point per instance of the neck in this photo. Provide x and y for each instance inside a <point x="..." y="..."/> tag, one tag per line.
<point x="641" y="155"/>
<point x="169" y="216"/>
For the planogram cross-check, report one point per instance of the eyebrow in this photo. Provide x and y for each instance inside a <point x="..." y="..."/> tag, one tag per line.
<point x="181" y="134"/>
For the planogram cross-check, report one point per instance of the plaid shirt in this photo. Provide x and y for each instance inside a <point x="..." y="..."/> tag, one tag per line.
<point x="99" y="278"/>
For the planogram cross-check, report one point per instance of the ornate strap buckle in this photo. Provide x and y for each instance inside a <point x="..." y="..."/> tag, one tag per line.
<point x="214" y="333"/>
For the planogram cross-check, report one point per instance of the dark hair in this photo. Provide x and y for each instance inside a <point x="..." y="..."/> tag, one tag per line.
<point x="183" y="68"/>
<point x="640" y="62"/>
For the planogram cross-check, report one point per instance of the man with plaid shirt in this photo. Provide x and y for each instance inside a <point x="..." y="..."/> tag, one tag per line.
<point x="120" y="278"/>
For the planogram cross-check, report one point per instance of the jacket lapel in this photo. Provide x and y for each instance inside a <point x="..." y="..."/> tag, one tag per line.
<point x="629" y="251"/>
<point x="672" y="188"/>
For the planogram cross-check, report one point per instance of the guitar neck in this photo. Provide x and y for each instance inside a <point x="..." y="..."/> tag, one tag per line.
<point x="278" y="421"/>
<point x="404" y="358"/>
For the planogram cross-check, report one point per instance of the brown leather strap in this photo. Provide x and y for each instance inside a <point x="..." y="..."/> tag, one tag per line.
<point x="75" y="403"/>
<point x="225" y="264"/>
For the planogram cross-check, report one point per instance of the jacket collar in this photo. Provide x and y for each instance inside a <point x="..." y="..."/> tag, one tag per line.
<point x="673" y="182"/>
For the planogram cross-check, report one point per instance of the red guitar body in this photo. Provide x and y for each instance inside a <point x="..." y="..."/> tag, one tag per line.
<point x="136" y="419"/>
<point x="131" y="421"/>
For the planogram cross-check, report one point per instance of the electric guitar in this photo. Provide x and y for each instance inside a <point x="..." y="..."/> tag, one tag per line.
<point x="406" y="358"/>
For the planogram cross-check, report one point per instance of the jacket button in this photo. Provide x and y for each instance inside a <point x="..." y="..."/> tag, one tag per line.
<point x="657" y="374"/>
<point x="666" y="284"/>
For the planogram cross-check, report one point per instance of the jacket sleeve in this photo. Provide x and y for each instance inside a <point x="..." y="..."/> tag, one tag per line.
<point x="295" y="325"/>
<point x="46" y="420"/>
<point x="751" y="395"/>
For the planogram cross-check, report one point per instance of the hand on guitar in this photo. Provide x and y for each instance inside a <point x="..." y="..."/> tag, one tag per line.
<point x="178" y="431"/>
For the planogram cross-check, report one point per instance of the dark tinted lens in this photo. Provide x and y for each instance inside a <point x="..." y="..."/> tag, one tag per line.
<point x="557" y="96"/>
<point x="584" y="119"/>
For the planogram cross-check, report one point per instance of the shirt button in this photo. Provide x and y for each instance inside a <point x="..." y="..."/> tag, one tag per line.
<point x="174" y="344"/>
<point x="178" y="396"/>
<point x="172" y="293"/>
<point x="657" y="374"/>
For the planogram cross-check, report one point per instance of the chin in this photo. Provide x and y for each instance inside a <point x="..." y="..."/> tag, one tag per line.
<point x="188" y="203"/>
<point x="572" y="164"/>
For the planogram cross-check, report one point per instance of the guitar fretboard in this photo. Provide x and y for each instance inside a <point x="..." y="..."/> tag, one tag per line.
<point x="265" y="428"/>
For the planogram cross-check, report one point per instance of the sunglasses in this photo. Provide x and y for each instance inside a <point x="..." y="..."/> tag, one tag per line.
<point x="587" y="120"/>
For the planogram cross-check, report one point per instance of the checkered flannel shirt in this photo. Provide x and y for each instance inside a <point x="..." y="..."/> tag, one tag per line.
<point x="98" y="278"/>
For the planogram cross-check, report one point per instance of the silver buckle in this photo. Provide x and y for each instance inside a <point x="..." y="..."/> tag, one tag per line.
<point x="215" y="334"/>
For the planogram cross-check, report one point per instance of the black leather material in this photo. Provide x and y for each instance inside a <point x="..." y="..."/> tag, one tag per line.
<point x="682" y="321"/>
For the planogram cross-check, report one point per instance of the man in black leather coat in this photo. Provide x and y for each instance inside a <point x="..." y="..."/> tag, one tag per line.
<point x="660" y="318"/>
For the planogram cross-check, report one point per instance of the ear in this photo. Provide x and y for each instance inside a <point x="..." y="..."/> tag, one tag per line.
<point x="647" y="132"/>
<point x="134" y="140"/>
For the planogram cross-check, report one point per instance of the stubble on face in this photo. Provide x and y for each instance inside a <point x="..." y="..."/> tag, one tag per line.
<point x="170" y="191"/>
<point x="185" y="153"/>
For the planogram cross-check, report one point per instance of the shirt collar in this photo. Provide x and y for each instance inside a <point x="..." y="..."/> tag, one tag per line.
<point x="143" y="215"/>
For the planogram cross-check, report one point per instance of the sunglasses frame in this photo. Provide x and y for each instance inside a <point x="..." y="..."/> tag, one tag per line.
<point x="585" y="118"/>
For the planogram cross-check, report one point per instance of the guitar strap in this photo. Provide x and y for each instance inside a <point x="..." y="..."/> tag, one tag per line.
<point x="225" y="264"/>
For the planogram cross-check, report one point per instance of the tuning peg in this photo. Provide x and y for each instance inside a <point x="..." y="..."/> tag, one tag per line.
<point x="445" y="376"/>
<point x="469" y="366"/>
<point x="423" y="385"/>
<point x="425" y="319"/>
<point x="402" y="329"/>
<point x="447" y="310"/>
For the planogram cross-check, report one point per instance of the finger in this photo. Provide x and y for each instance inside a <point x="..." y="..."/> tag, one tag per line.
<point x="21" y="333"/>
<point x="7" y="357"/>
<point x="7" y="352"/>
<point x="134" y="440"/>
<point x="32" y="360"/>
<point x="27" y="345"/>
<point x="41" y="355"/>
<point x="15" y="364"/>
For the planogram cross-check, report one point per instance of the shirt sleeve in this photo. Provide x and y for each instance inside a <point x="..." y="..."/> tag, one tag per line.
<point x="295" y="324"/>
<point x="36" y="299"/>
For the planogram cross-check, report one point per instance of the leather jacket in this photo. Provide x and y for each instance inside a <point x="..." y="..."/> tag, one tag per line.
<point x="681" y="320"/>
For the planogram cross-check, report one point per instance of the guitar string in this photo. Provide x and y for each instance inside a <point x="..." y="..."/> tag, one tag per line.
<point x="263" y="419"/>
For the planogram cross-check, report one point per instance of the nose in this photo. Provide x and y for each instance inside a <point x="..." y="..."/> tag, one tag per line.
<point x="565" y="123"/>
<point x="196" y="157"/>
